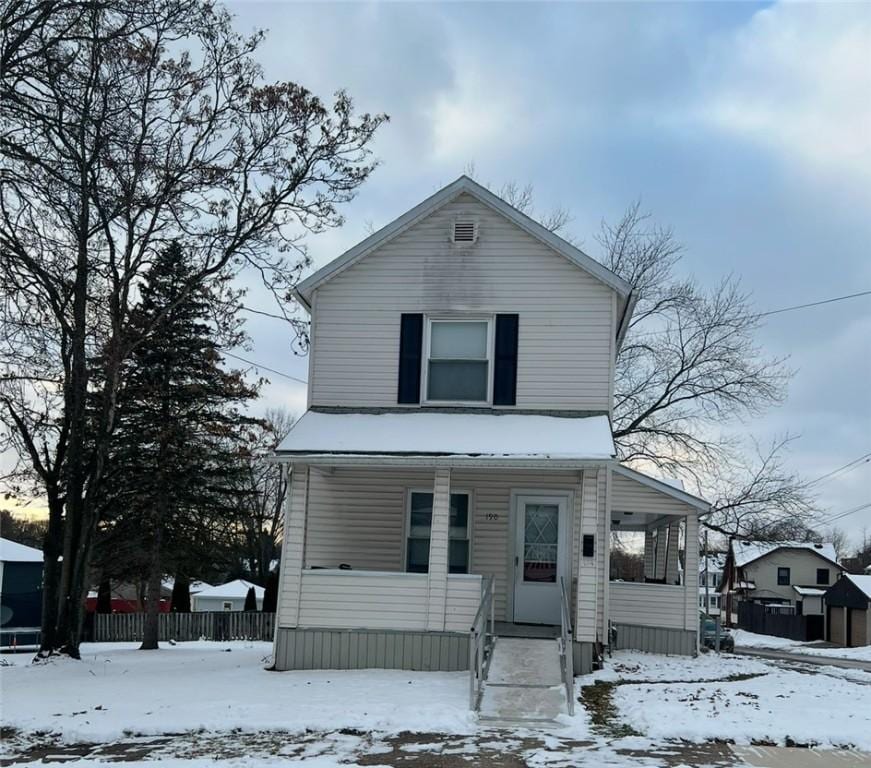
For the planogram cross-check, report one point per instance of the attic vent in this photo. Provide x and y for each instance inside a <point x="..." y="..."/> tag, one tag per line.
<point x="464" y="232"/>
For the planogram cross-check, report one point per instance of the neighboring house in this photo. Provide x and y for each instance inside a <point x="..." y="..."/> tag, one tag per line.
<point x="710" y="578"/>
<point x="848" y="605"/>
<point x="226" y="597"/>
<point x="20" y="593"/>
<point x="461" y="380"/>
<point x="128" y="597"/>
<point x="787" y="576"/>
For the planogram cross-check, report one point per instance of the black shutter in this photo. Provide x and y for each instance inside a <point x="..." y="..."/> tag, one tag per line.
<point x="410" y="346"/>
<point x="505" y="364"/>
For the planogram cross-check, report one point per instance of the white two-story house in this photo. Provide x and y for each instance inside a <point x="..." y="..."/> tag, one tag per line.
<point x="456" y="459"/>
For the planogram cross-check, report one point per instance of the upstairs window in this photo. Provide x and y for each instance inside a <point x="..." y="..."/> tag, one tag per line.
<point x="458" y="361"/>
<point x="783" y="579"/>
<point x="420" y="525"/>
<point x="822" y="575"/>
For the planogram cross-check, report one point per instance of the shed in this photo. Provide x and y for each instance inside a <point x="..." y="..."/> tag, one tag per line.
<point x="20" y="592"/>
<point x="848" y="607"/>
<point x="226" y="597"/>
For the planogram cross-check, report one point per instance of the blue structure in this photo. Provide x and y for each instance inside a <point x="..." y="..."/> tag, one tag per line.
<point x="20" y="594"/>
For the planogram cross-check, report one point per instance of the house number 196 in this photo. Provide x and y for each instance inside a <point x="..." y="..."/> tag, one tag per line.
<point x="492" y="516"/>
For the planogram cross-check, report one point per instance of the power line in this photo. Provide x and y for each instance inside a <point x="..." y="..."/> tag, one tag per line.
<point x="850" y="466"/>
<point x="772" y="311"/>
<point x="846" y="513"/>
<point x="263" y="312"/>
<point x="266" y="368"/>
<point x="814" y="303"/>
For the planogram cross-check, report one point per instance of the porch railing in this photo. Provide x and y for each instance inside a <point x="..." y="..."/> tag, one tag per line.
<point x="566" y="647"/>
<point x="481" y="644"/>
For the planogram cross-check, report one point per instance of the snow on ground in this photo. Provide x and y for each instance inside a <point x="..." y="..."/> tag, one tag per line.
<point x="663" y="700"/>
<point x="744" y="639"/>
<point x="116" y="689"/>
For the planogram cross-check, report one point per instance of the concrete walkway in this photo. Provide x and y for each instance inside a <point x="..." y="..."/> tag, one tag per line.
<point x="524" y="686"/>
<point x="795" y="757"/>
<point x="804" y="658"/>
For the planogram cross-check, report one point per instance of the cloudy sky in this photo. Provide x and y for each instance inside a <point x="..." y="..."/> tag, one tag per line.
<point x="747" y="128"/>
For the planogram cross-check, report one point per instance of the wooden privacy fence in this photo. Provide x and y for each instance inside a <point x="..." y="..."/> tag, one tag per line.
<point x="758" y="618"/>
<point x="206" y="625"/>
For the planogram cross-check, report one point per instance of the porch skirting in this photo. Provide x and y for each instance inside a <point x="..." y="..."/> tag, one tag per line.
<point x="674" y="642"/>
<point x="582" y="658"/>
<point x="323" y="648"/>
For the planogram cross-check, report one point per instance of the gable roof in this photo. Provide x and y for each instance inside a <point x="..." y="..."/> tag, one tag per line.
<point x="13" y="552"/>
<point x="747" y="552"/>
<point x="863" y="583"/>
<point x="462" y="185"/>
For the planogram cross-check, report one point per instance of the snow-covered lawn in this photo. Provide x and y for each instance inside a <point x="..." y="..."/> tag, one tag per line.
<point x="116" y="690"/>
<point x="714" y="697"/>
<point x="744" y="639"/>
<point x="210" y="692"/>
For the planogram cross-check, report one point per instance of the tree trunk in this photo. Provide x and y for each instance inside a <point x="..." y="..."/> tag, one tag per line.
<point x="151" y="632"/>
<point x="52" y="549"/>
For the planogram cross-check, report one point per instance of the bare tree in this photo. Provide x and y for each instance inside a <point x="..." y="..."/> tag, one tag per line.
<point x="127" y="125"/>
<point x="266" y="486"/>
<point x="690" y="370"/>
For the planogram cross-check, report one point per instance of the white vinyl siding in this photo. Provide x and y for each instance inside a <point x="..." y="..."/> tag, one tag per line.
<point x="566" y="316"/>
<point x="357" y="517"/>
<point x="373" y="600"/>
<point x="650" y="605"/>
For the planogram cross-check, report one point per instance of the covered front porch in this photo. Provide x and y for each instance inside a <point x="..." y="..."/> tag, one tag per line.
<point x="396" y="559"/>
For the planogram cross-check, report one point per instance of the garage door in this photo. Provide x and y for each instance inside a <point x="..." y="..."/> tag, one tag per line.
<point x="836" y="625"/>
<point x="859" y="628"/>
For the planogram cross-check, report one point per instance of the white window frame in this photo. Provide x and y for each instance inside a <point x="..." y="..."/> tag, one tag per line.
<point x="227" y="606"/>
<point x="491" y="323"/>
<point x="405" y="533"/>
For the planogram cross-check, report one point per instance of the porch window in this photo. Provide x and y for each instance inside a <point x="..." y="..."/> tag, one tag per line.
<point x="783" y="577"/>
<point x="458" y="361"/>
<point x="420" y="523"/>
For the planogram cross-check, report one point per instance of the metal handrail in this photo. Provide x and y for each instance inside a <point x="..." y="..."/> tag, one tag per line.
<point x="566" y="648"/>
<point x="481" y="644"/>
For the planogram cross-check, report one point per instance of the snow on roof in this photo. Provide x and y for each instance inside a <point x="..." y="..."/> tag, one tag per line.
<point x="193" y="588"/>
<point x="453" y="434"/>
<point x="13" y="552"/>
<point x="237" y="588"/>
<point x="862" y="582"/>
<point x="748" y="551"/>
<point x="809" y="591"/>
<point x="716" y="562"/>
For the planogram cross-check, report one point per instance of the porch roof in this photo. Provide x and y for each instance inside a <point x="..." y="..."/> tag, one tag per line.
<point x="472" y="435"/>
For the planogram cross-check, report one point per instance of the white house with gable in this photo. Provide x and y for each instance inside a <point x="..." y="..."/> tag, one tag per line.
<point x="456" y="458"/>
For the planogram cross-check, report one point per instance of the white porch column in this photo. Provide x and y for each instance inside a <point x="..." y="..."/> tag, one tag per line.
<point x="691" y="574"/>
<point x="438" y="550"/>
<point x="649" y="554"/>
<point x="293" y="547"/>
<point x="587" y="596"/>
<point x="673" y="553"/>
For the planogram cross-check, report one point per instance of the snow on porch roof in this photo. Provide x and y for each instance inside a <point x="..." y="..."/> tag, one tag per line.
<point x="450" y="434"/>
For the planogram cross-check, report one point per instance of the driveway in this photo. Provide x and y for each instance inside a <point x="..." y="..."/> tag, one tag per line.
<point x="803" y="658"/>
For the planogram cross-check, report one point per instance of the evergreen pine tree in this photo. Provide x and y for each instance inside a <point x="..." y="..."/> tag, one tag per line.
<point x="174" y="485"/>
<point x="250" y="600"/>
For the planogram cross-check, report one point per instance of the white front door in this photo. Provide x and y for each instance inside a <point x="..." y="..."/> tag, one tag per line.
<point x="541" y="557"/>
